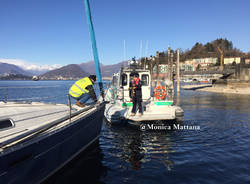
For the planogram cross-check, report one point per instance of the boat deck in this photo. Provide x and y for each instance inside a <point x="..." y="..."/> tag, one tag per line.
<point x="31" y="116"/>
<point x="150" y="117"/>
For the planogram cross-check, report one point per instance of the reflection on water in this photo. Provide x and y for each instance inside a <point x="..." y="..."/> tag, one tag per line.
<point x="217" y="153"/>
<point x="196" y="99"/>
<point x="131" y="150"/>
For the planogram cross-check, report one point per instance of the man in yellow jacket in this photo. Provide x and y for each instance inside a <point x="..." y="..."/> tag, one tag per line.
<point x="82" y="90"/>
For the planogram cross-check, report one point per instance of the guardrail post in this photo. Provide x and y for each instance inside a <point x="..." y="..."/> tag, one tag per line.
<point x="69" y="103"/>
<point x="5" y="95"/>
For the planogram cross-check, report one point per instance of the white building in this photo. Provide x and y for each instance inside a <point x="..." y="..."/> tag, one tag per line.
<point x="231" y="60"/>
<point x="191" y="65"/>
<point x="247" y="61"/>
<point x="206" y="60"/>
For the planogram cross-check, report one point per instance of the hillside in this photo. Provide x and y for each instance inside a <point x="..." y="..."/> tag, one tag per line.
<point x="107" y="70"/>
<point x="68" y="72"/>
<point x="210" y="49"/>
<point x="6" y="69"/>
<point x="72" y="71"/>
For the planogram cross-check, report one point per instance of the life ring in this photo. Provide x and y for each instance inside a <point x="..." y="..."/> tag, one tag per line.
<point x="160" y="92"/>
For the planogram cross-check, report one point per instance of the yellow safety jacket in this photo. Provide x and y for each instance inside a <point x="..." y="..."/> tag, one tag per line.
<point x="79" y="88"/>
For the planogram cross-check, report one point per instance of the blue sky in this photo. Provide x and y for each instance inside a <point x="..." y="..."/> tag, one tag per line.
<point x="48" y="32"/>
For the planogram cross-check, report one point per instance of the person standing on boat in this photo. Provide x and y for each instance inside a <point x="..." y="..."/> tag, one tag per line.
<point x="135" y="94"/>
<point x="82" y="90"/>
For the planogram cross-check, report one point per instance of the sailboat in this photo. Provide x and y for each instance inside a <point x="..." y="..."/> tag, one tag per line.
<point x="37" y="139"/>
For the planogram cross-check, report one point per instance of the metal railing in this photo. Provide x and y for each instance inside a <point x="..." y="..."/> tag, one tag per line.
<point x="70" y="107"/>
<point x="3" y="91"/>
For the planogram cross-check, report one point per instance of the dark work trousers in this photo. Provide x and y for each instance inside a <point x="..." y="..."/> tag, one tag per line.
<point x="84" y="98"/>
<point x="137" y="100"/>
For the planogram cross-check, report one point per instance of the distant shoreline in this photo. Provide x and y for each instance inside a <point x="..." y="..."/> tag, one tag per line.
<point x="104" y="79"/>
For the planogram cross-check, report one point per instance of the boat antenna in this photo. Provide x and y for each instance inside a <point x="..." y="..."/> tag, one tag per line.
<point x="140" y="51"/>
<point x="146" y="49"/>
<point x="94" y="48"/>
<point x="124" y="50"/>
<point x="146" y="53"/>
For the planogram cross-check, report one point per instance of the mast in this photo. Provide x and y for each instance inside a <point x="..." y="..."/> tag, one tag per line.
<point x="94" y="48"/>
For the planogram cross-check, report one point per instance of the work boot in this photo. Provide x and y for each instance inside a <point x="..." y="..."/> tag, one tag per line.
<point x="139" y="114"/>
<point x="80" y="104"/>
<point x="132" y="114"/>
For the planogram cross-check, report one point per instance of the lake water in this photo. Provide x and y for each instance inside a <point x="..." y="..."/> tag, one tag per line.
<point x="219" y="152"/>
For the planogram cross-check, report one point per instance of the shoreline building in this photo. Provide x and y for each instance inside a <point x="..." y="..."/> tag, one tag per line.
<point x="201" y="63"/>
<point x="231" y="60"/>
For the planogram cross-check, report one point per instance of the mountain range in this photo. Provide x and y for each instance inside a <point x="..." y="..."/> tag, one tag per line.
<point x="7" y="69"/>
<point x="107" y="70"/>
<point x="68" y="72"/>
<point x="30" y="68"/>
<point x="74" y="71"/>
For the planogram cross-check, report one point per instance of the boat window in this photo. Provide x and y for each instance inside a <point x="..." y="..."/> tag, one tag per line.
<point x="114" y="80"/>
<point x="124" y="79"/>
<point x="132" y="76"/>
<point x="161" y="83"/>
<point x="6" y="123"/>
<point x="144" y="79"/>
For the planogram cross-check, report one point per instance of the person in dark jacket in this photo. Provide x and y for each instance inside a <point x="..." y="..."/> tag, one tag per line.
<point x="82" y="90"/>
<point x="135" y="94"/>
